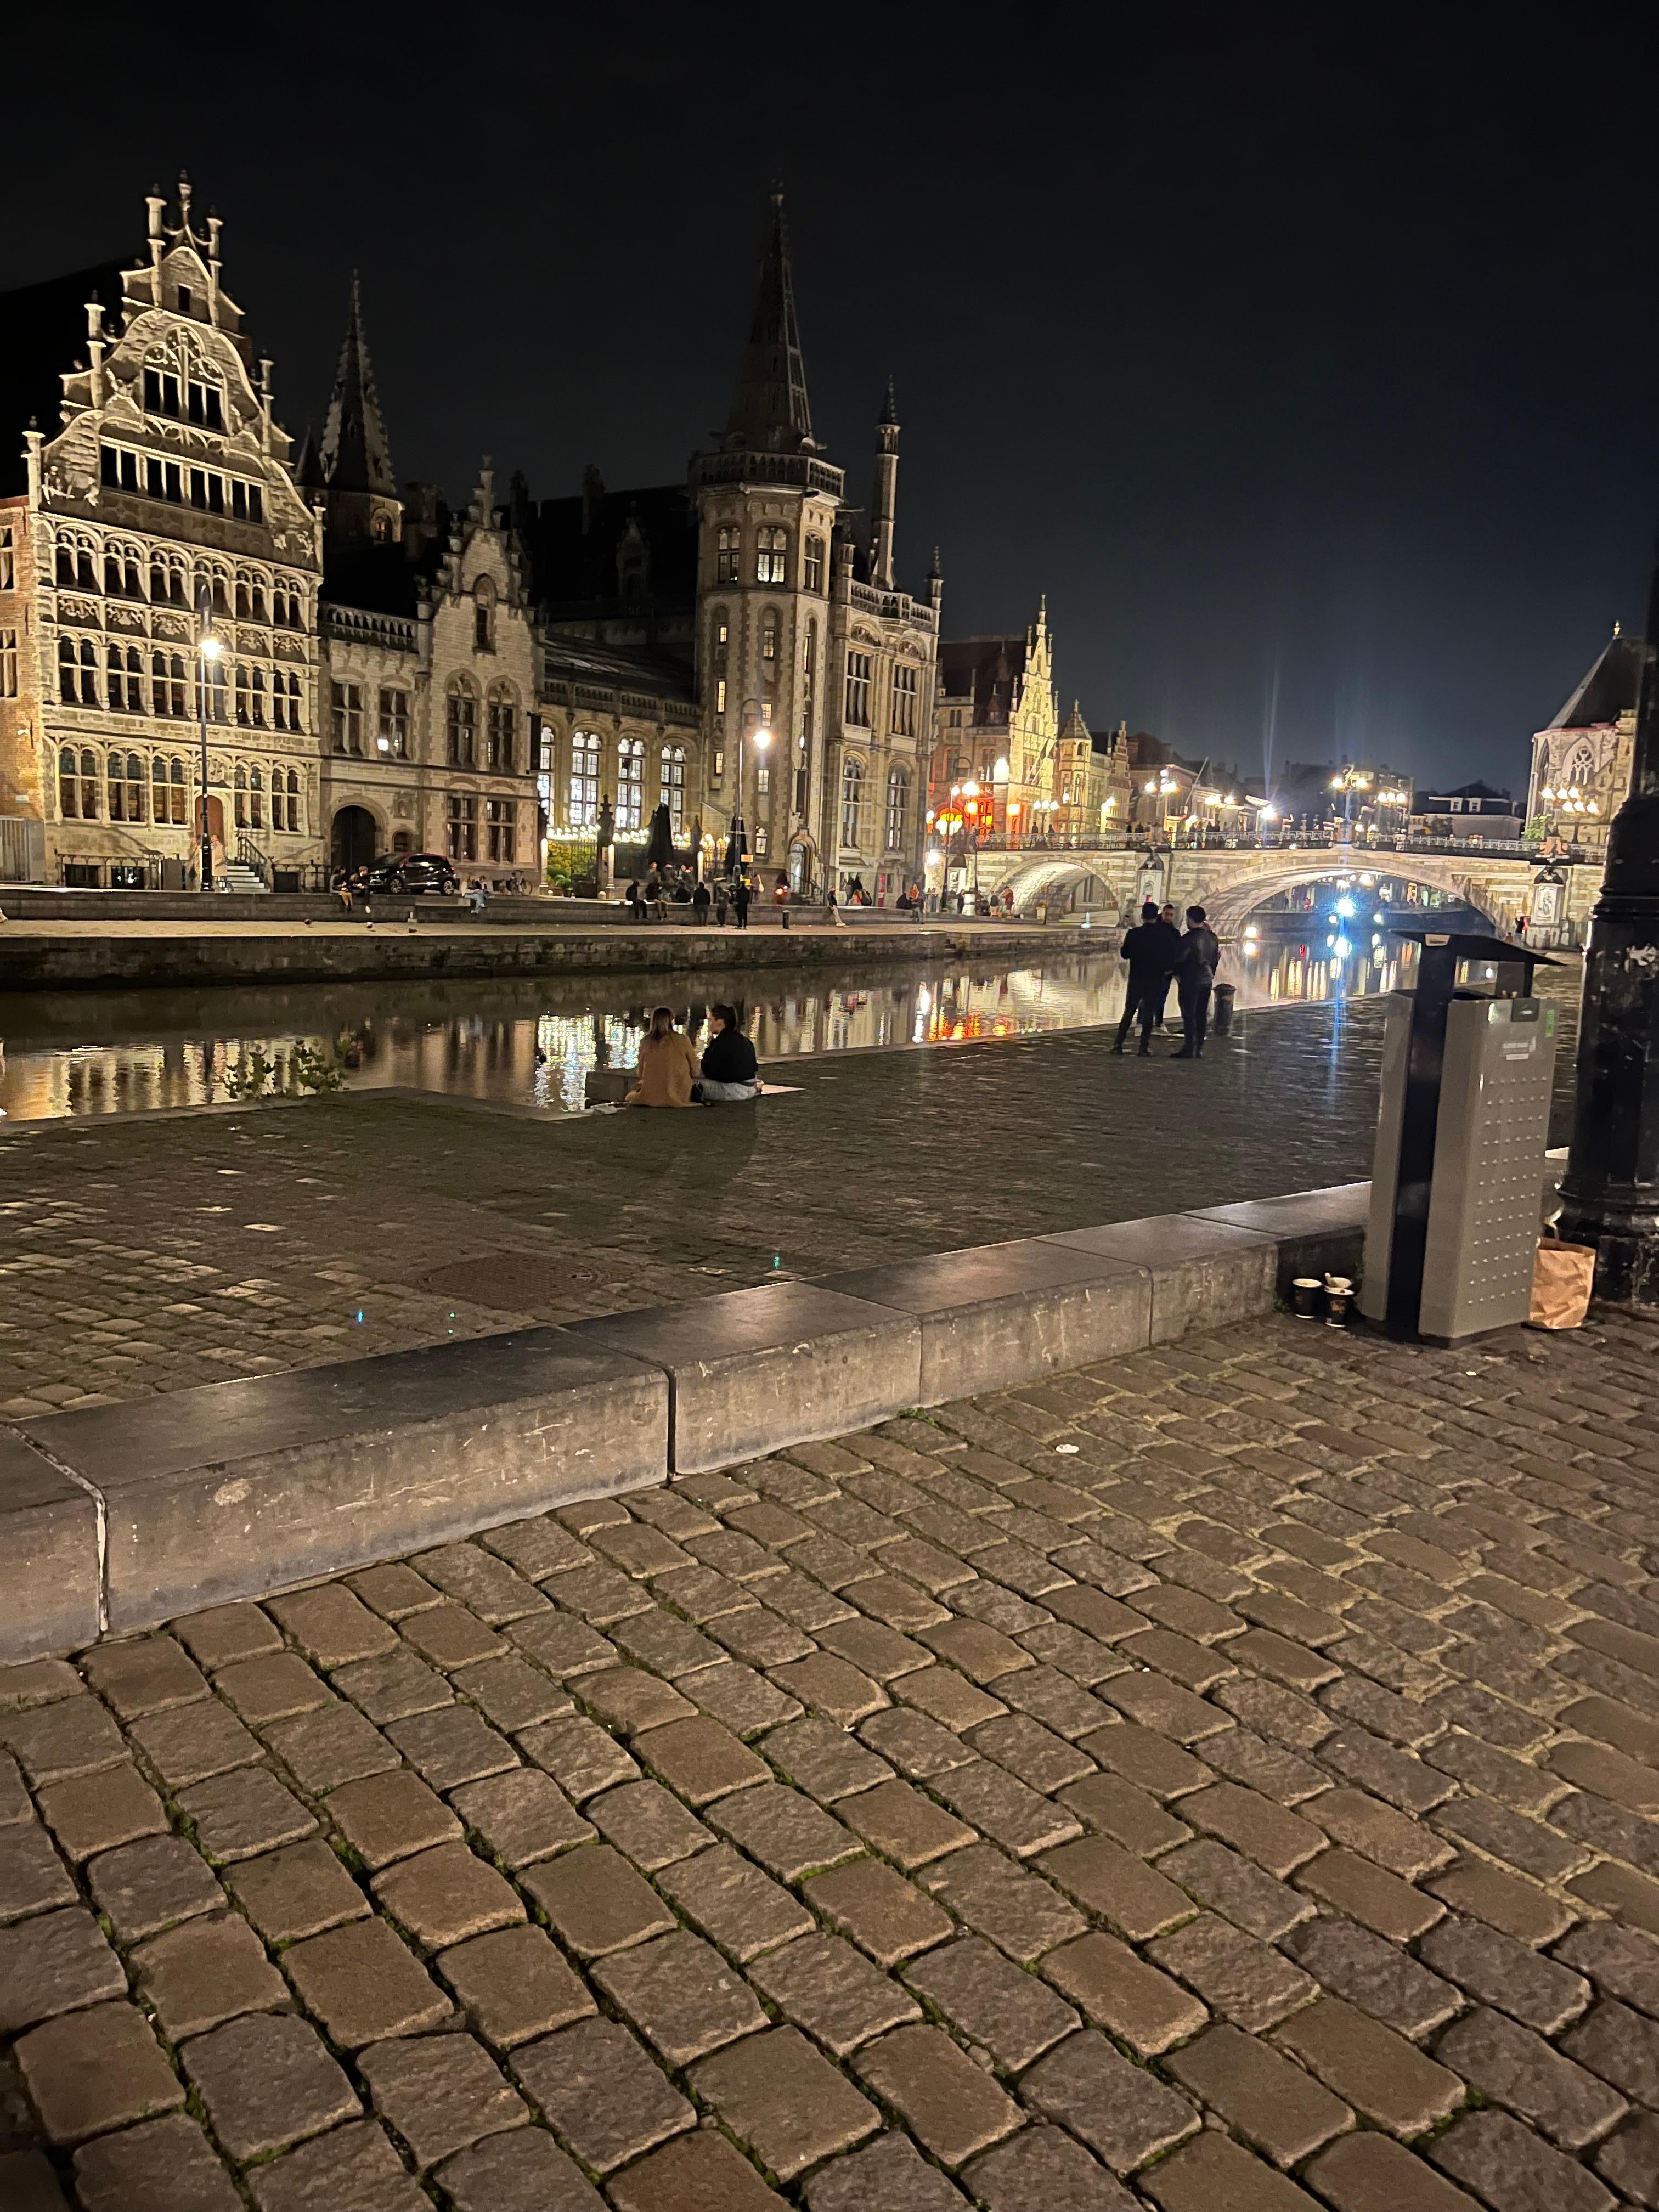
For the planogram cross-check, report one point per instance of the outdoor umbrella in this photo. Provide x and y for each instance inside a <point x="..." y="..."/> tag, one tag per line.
<point x="660" y="845"/>
<point x="734" y="849"/>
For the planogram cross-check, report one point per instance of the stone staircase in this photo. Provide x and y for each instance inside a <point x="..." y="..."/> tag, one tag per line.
<point x="236" y="876"/>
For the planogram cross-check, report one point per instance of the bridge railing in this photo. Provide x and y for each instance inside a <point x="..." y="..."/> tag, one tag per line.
<point x="1122" y="840"/>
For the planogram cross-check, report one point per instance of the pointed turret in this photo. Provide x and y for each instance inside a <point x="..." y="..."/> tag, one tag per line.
<point x="355" y="456"/>
<point x="769" y="409"/>
<point x="883" y="512"/>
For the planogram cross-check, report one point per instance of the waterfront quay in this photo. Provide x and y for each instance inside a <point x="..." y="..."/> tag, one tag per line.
<point x="1221" y="1777"/>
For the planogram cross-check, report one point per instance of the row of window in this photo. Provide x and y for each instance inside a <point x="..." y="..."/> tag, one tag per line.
<point x="582" y="804"/>
<point x="189" y="399"/>
<point x="859" y="689"/>
<point x="854" y="804"/>
<point x="771" y="557"/>
<point x="122" y="470"/>
<point x="125" y="567"/>
<point x="122" y="788"/>
<point x="500" y="826"/>
<point x="265" y="699"/>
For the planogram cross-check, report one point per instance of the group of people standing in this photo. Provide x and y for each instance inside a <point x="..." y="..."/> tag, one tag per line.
<point x="671" y="1072"/>
<point x="1160" y="953"/>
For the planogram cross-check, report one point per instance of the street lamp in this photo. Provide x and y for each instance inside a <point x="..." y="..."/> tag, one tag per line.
<point x="763" y="737"/>
<point x="1610" y="1195"/>
<point x="209" y="646"/>
<point x="1350" y="781"/>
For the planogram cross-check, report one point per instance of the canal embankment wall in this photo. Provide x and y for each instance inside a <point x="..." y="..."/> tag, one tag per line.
<point x="149" y="954"/>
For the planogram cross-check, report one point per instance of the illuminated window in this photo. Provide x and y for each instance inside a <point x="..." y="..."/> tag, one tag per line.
<point x="630" y="784"/>
<point x="728" y="551"/>
<point x="394" y="723"/>
<point x="346" y="717"/>
<point x="502" y="734"/>
<point x="77" y="784"/>
<point x="814" y="564"/>
<point x="769" y="641"/>
<point x="771" y="550"/>
<point x="898" y="808"/>
<point x="582" y="807"/>
<point x="671" y="790"/>
<point x="127" y="783"/>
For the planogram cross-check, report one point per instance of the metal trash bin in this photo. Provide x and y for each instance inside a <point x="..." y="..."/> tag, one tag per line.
<point x="1461" y="1127"/>
<point x="1223" y="1009"/>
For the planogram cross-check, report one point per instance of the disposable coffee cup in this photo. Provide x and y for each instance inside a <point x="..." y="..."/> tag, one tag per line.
<point x="1308" y="1294"/>
<point x="1336" y="1308"/>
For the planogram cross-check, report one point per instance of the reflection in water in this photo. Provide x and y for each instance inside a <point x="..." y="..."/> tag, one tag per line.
<point x="81" y="1052"/>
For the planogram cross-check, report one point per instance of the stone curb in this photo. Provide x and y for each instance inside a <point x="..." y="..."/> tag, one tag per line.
<point x="114" y="1518"/>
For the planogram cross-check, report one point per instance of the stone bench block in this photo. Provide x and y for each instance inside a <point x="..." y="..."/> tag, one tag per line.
<point x="752" y="1372"/>
<point x="237" y="1489"/>
<point x="1318" y="1231"/>
<point x="995" y="1316"/>
<point x="1204" y="1274"/>
<point x="48" y="1556"/>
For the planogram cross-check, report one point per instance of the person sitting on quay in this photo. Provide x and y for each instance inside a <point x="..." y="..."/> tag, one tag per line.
<point x="730" y="1070"/>
<point x="668" y="1065"/>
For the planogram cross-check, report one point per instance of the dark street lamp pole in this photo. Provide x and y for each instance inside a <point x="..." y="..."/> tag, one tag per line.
<point x="1610" y="1196"/>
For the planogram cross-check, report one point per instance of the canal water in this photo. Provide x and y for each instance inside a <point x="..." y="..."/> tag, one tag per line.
<point x="530" y="1043"/>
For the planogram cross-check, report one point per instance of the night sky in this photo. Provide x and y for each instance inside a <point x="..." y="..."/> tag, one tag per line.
<point x="1312" y="348"/>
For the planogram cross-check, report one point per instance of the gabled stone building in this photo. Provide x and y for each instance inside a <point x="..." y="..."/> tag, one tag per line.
<point x="1582" y="760"/>
<point x="394" y="678"/>
<point x="143" y="474"/>
<point x="997" y="723"/>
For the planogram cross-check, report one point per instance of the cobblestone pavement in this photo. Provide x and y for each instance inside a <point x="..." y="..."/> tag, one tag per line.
<point x="1224" y="1781"/>
<point x="151" y="1254"/>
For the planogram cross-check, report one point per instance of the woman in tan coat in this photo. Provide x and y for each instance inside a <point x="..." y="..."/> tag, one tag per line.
<point x="668" y="1065"/>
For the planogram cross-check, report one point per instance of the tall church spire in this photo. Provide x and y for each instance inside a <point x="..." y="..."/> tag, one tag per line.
<point x="769" y="409"/>
<point x="356" y="456"/>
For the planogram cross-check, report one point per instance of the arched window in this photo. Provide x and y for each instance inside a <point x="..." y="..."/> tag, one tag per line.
<point x="582" y="809"/>
<point x="898" y="807"/>
<point x="728" y="551"/>
<point x="240" y="787"/>
<point x="672" y="789"/>
<point x="75" y="569"/>
<point x="256" y="798"/>
<point x="256" y="697"/>
<point x="852" y="800"/>
<point x="126" y="788"/>
<point x="462" y="723"/>
<point x="630" y="784"/>
<point x="176" y="789"/>
<point x="67" y="666"/>
<point x="501" y="735"/>
<point x="769" y="644"/>
<point x="719" y="651"/>
<point x="483" y="615"/>
<point x="217" y="586"/>
<point x="814" y="576"/>
<point x="771" y="551"/>
<point x="244" y="695"/>
<point x="167" y="579"/>
<point x="295" y="818"/>
<point x="296" y="720"/>
<point x="68" y="783"/>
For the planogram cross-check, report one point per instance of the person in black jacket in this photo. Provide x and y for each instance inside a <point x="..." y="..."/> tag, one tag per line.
<point x="730" y="1070"/>
<point x="1200" y="956"/>
<point x="1152" y="950"/>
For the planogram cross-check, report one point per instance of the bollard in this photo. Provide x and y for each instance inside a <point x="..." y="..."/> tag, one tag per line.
<point x="1223" y="1007"/>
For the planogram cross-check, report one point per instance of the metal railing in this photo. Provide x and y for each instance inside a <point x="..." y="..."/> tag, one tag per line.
<point x="1128" y="841"/>
<point x="248" y="855"/>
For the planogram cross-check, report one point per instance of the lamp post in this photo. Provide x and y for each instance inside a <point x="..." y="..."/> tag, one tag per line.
<point x="763" y="739"/>
<point x="1350" y="781"/>
<point x="1610" y="1195"/>
<point x="209" y="646"/>
<point x="970" y="807"/>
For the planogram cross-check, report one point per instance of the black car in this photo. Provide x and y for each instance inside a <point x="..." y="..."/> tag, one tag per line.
<point x="413" y="874"/>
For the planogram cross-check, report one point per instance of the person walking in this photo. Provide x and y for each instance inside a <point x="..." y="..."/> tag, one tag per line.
<point x="740" y="896"/>
<point x="1200" y="956"/>
<point x="1152" y="950"/>
<point x="668" y="1065"/>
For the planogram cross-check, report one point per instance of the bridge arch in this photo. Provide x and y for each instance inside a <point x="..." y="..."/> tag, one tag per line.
<point x="1231" y="884"/>
<point x="1229" y="905"/>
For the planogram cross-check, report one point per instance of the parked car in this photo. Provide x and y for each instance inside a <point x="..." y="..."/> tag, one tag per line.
<point x="414" y="875"/>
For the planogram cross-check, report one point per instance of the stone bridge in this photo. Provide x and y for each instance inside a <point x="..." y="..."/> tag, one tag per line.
<point x="1229" y="883"/>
